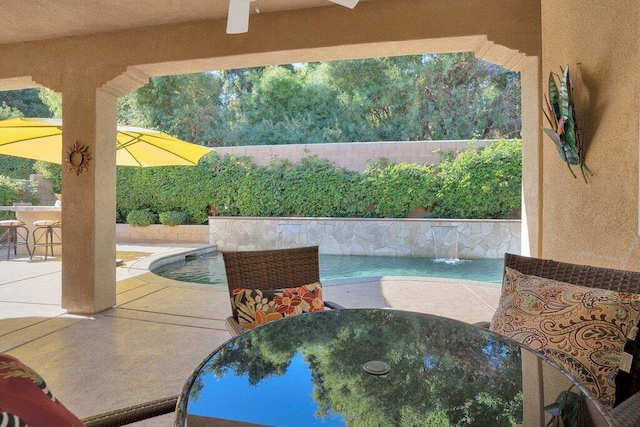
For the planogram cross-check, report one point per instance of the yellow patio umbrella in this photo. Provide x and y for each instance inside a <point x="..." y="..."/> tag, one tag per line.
<point x="41" y="139"/>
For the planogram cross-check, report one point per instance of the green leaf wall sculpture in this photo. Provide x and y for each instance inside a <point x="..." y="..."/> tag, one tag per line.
<point x="559" y="109"/>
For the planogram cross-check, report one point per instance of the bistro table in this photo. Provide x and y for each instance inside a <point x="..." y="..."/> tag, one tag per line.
<point x="373" y="367"/>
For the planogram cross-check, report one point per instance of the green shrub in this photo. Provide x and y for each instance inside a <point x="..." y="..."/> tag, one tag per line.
<point x="16" y="167"/>
<point x="187" y="189"/>
<point x="172" y="218"/>
<point x="316" y="188"/>
<point x="12" y="190"/>
<point x="481" y="183"/>
<point x="141" y="218"/>
<point x="394" y="190"/>
<point x="478" y="183"/>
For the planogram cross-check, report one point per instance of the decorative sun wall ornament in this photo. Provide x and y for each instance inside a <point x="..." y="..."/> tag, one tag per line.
<point x="77" y="159"/>
<point x="559" y="109"/>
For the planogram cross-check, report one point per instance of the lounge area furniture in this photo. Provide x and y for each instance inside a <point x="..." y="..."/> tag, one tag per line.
<point x="132" y="414"/>
<point x="46" y="234"/>
<point x="13" y="233"/>
<point x="371" y="367"/>
<point x="626" y="410"/>
<point x="29" y="214"/>
<point x="269" y="270"/>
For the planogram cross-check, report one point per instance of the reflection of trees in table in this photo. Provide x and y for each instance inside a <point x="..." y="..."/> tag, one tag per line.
<point x="441" y="373"/>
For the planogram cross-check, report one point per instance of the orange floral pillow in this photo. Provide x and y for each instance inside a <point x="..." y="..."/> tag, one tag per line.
<point x="253" y="307"/>
<point x="583" y="330"/>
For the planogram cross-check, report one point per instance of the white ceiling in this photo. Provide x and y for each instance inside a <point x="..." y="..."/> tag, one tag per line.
<point x="28" y="20"/>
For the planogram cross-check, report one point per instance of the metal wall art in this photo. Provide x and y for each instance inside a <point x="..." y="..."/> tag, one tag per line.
<point x="559" y="109"/>
<point x="77" y="158"/>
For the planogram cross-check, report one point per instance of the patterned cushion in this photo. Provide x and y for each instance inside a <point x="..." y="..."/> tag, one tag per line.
<point x="11" y="223"/>
<point x="253" y="307"/>
<point x="584" y="330"/>
<point x="26" y="400"/>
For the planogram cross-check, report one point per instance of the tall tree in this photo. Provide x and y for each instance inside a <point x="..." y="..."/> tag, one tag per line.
<point x="286" y="106"/>
<point x="52" y="100"/>
<point x="186" y="106"/>
<point x="448" y="96"/>
<point x="464" y="97"/>
<point x="378" y="96"/>
<point x="27" y="101"/>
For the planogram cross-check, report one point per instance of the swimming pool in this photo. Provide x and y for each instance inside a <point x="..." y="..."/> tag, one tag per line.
<point x="209" y="269"/>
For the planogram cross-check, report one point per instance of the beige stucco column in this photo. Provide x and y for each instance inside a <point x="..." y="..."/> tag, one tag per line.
<point x="89" y="113"/>
<point x="532" y="197"/>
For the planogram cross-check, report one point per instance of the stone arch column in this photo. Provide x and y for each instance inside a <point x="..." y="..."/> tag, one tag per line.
<point x="89" y="112"/>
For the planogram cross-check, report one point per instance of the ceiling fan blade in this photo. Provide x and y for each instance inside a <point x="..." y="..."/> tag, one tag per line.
<point x="238" y="17"/>
<point x="346" y="3"/>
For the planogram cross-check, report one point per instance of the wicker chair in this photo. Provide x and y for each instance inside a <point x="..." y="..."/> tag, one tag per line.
<point x="271" y="269"/>
<point x="627" y="409"/>
<point x="132" y="414"/>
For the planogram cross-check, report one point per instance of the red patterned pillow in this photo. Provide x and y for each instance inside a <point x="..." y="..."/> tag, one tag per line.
<point x="253" y="307"/>
<point x="26" y="400"/>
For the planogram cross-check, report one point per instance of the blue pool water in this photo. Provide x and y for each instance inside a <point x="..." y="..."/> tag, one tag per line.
<point x="209" y="269"/>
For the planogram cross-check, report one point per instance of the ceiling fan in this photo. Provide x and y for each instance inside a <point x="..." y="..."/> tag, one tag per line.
<point x="238" y="17"/>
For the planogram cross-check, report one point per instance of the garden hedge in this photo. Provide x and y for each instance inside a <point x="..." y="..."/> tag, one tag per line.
<point x="476" y="183"/>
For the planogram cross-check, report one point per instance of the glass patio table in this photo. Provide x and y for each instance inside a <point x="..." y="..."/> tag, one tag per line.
<point x="370" y="367"/>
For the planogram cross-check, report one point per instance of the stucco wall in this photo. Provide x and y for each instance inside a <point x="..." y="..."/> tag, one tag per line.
<point x="353" y="156"/>
<point x="158" y="233"/>
<point x="595" y="223"/>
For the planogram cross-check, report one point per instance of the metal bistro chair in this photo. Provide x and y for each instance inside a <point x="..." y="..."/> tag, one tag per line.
<point x="50" y="232"/>
<point x="13" y="233"/>
<point x="271" y="269"/>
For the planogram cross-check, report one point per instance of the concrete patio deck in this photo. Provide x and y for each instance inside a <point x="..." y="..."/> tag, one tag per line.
<point x="146" y="346"/>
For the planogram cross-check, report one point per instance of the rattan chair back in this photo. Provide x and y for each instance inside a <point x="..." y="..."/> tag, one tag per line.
<point x="272" y="269"/>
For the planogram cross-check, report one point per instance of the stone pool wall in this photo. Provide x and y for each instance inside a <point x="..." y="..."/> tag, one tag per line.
<point x="431" y="238"/>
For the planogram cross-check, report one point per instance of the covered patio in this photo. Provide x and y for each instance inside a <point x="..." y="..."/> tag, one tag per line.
<point x="96" y="51"/>
<point x="92" y="57"/>
<point x="146" y="346"/>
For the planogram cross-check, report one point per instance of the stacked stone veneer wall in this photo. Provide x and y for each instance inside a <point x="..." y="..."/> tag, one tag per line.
<point x="390" y="237"/>
<point x="353" y="156"/>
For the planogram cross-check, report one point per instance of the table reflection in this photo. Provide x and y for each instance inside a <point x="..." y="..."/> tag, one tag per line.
<point x="308" y="370"/>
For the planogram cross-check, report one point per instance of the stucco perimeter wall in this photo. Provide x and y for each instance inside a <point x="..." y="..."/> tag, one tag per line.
<point x="595" y="223"/>
<point x="355" y="156"/>
<point x="162" y="234"/>
<point x="388" y="237"/>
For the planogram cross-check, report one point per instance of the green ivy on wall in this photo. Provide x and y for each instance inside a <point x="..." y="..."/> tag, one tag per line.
<point x="476" y="183"/>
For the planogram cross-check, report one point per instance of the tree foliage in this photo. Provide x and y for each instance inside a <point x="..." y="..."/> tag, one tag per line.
<point x="186" y="106"/>
<point x="481" y="183"/>
<point x="419" y="97"/>
<point x="26" y="101"/>
<point x="464" y="98"/>
<point x="12" y="190"/>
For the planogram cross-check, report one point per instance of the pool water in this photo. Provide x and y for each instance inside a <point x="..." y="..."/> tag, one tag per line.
<point x="209" y="269"/>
